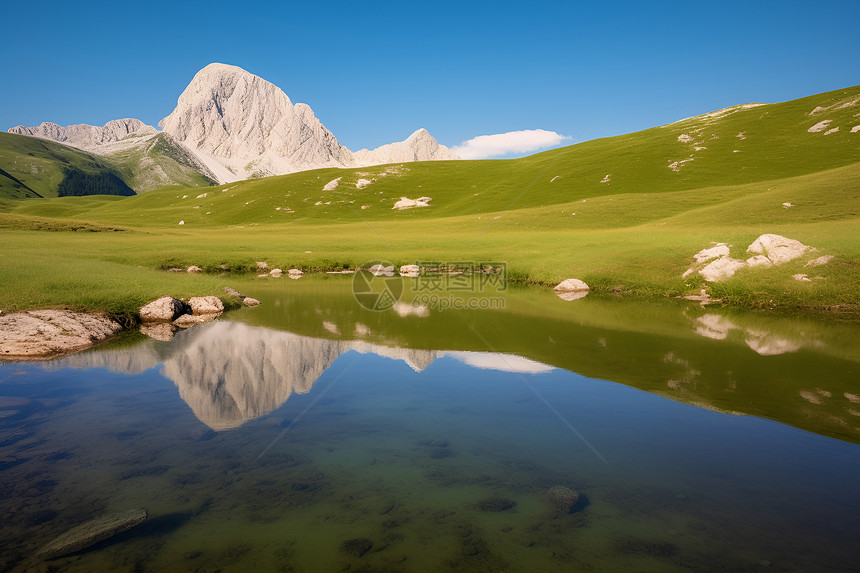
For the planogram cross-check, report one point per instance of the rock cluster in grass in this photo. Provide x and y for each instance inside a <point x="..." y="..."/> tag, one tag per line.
<point x="715" y="264"/>
<point x="163" y="316"/>
<point x="46" y="333"/>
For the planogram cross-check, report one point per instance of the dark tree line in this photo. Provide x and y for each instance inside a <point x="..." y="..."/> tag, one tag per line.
<point x="79" y="183"/>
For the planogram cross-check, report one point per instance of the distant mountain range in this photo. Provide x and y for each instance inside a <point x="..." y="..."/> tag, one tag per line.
<point x="228" y="125"/>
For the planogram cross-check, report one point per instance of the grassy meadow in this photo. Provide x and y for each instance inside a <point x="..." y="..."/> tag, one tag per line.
<point x="625" y="214"/>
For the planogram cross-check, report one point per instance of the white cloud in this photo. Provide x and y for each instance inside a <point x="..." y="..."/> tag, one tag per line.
<point x="524" y="141"/>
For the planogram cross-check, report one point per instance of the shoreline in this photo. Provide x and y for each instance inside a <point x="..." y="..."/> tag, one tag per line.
<point x="124" y="322"/>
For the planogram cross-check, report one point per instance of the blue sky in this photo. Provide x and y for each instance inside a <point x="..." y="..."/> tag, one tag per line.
<point x="373" y="72"/>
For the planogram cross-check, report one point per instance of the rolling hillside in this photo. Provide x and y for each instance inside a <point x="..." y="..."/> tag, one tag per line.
<point x="36" y="168"/>
<point x="625" y="214"/>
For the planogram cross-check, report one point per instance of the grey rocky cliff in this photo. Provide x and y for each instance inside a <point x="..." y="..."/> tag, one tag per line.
<point x="88" y="137"/>
<point x="242" y="126"/>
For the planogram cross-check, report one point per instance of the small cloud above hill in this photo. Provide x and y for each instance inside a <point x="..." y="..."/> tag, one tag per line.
<point x="524" y="141"/>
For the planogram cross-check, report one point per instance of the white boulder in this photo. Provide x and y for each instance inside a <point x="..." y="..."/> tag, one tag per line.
<point x="407" y="203"/>
<point x="164" y="309"/>
<point x="759" y="261"/>
<point x="275" y="273"/>
<point x="206" y="305"/>
<point x="721" y="269"/>
<point x="777" y="248"/>
<point x="718" y="250"/>
<point x="571" y="289"/>
<point x="572" y="285"/>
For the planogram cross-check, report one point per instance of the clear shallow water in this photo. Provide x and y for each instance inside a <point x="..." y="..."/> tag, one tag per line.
<point x="267" y="441"/>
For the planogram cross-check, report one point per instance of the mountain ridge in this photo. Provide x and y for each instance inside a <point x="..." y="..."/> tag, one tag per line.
<point x="236" y="125"/>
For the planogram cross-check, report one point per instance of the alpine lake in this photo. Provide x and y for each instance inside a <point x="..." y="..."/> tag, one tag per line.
<point x="519" y="433"/>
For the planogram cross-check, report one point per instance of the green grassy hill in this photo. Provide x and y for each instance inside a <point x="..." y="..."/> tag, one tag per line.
<point x="625" y="214"/>
<point x="32" y="167"/>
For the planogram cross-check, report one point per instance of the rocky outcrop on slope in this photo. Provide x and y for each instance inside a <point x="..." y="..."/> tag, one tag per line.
<point x="715" y="265"/>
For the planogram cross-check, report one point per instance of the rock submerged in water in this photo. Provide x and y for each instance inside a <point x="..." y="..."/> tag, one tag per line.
<point x="495" y="504"/>
<point x="562" y="499"/>
<point x="356" y="547"/>
<point x="92" y="532"/>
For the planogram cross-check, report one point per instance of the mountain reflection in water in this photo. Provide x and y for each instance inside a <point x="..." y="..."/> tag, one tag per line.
<point x="229" y="372"/>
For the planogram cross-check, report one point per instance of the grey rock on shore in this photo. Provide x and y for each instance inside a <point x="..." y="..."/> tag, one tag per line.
<point x="43" y="333"/>
<point x="164" y="309"/>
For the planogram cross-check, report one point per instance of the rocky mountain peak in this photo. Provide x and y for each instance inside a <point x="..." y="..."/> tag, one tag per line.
<point x="420" y="146"/>
<point x="241" y="126"/>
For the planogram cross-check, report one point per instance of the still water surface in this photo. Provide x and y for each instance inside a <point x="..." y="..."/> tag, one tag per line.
<point x="275" y="437"/>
